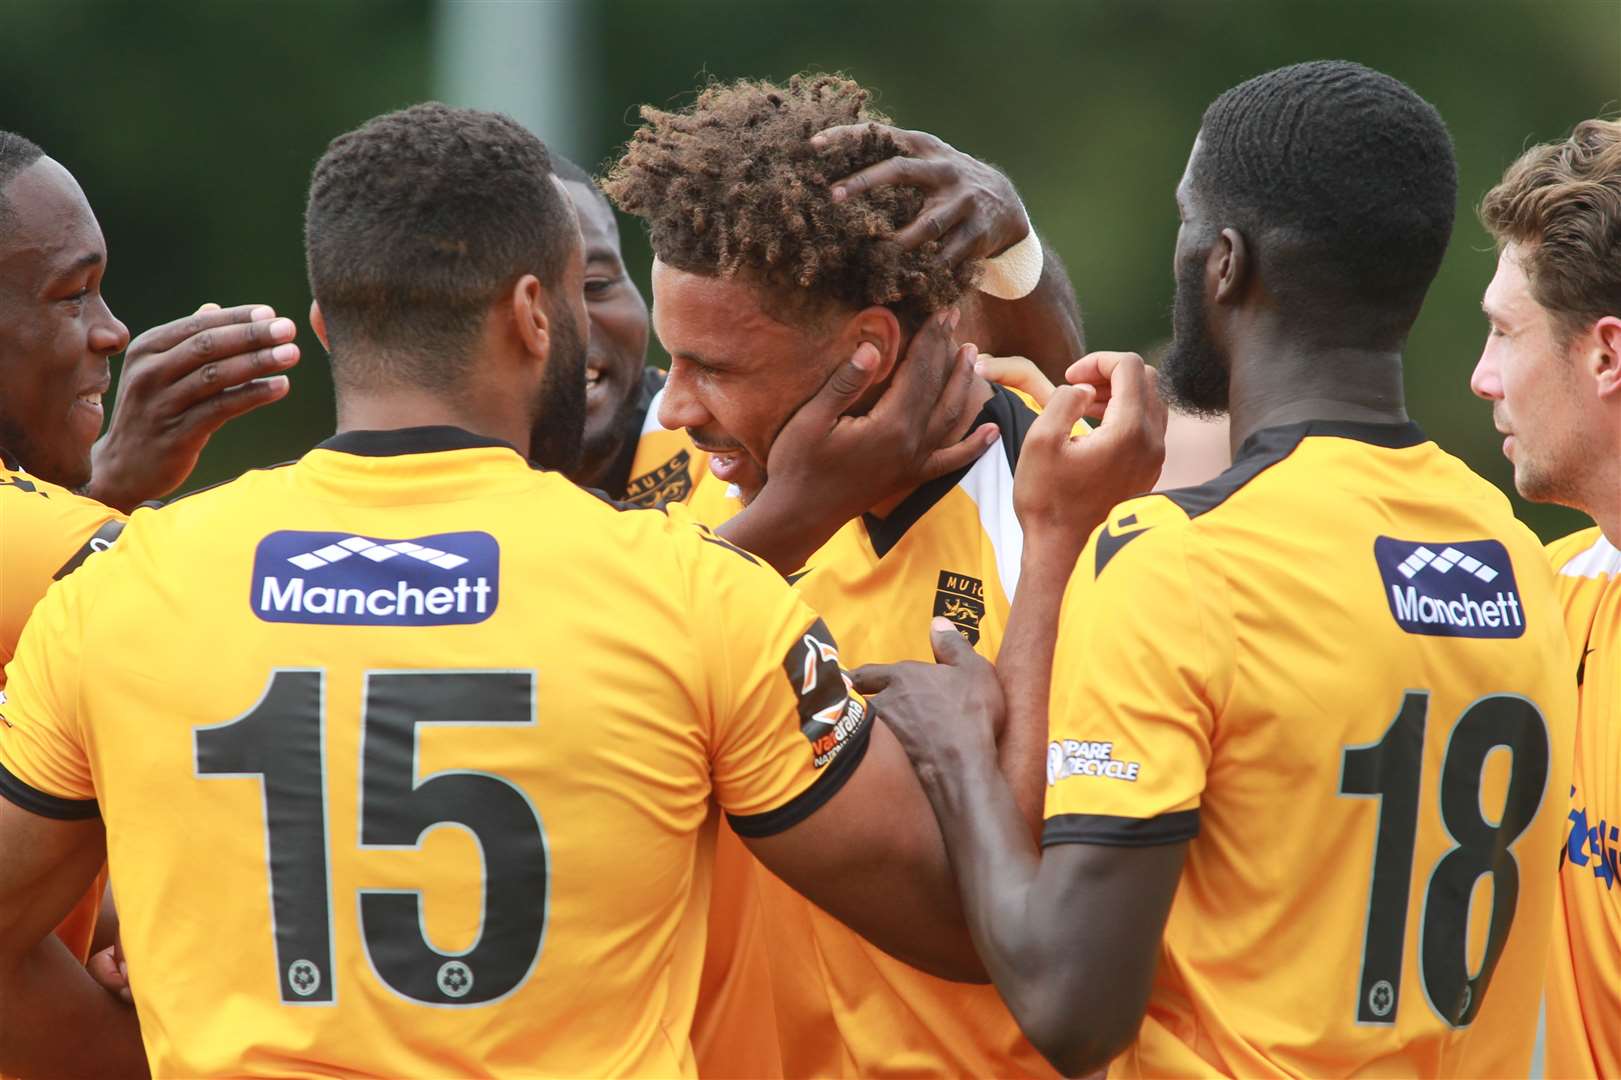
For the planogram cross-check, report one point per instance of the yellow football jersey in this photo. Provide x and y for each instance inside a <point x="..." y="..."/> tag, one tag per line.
<point x="402" y="723"/>
<point x="1338" y="670"/>
<point x="665" y="464"/>
<point x="46" y="532"/>
<point x="844" y="1007"/>
<point x="1584" y="971"/>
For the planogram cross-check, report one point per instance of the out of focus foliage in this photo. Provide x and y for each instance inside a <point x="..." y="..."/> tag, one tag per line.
<point x="193" y="127"/>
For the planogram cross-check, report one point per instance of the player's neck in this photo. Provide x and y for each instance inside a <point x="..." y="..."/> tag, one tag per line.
<point x="1281" y="384"/>
<point x="396" y="408"/>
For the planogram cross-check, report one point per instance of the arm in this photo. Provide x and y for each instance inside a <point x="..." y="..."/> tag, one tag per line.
<point x="180" y="383"/>
<point x="58" y="1021"/>
<point x="973" y="212"/>
<point x="873" y="858"/>
<point x="1044" y="326"/>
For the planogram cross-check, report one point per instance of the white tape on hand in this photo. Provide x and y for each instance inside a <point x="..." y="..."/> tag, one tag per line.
<point x="1016" y="272"/>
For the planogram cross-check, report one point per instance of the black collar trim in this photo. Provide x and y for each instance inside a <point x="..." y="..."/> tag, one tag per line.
<point x="1389" y="436"/>
<point x="1265" y="448"/>
<point x="1004" y="409"/>
<point x="415" y="440"/>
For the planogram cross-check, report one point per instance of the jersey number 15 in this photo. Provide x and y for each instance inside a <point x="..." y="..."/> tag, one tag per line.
<point x="281" y="742"/>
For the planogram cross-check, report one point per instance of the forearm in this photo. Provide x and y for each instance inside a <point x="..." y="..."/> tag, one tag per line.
<point x="1024" y="667"/>
<point x="58" y="1022"/>
<point x="783" y="531"/>
<point x="995" y="860"/>
<point x="1044" y="326"/>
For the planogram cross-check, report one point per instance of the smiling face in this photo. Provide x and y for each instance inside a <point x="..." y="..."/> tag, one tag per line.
<point x="618" y="333"/>
<point x="1542" y="398"/>
<point x="56" y="332"/>
<point x="736" y="373"/>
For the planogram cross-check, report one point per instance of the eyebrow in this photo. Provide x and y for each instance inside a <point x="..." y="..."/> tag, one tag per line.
<point x="602" y="254"/>
<point x="83" y="262"/>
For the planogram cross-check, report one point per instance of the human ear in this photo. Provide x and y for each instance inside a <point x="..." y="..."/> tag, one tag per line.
<point x="318" y="324"/>
<point x="1229" y="266"/>
<point x="527" y="305"/>
<point x="878" y="326"/>
<point x="1604" y="356"/>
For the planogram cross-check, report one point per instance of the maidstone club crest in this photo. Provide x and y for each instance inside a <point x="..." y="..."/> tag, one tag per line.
<point x="961" y="599"/>
<point x="670" y="482"/>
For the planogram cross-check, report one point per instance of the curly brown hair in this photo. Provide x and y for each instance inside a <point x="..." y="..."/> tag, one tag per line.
<point x="1562" y="202"/>
<point x="731" y="186"/>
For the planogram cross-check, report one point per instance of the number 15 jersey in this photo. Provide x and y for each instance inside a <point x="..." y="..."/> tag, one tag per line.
<point x="401" y="723"/>
<point x="1339" y="671"/>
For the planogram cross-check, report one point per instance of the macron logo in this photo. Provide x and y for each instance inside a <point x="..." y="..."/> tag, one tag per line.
<point x="1426" y="597"/>
<point x="346" y="580"/>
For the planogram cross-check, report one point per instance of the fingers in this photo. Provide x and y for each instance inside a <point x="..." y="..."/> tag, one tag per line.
<point x="950" y="647"/>
<point x="933" y="222"/>
<point x="953" y="400"/>
<point x="1129" y="389"/>
<point x="1053" y="429"/>
<point x="1016" y="373"/>
<point x="841" y="390"/>
<point x="923" y="372"/>
<point x="869" y="679"/>
<point x="914" y="143"/>
<point x="206" y="417"/>
<point x="217" y="375"/>
<point x="960" y="455"/>
<point x="110" y="973"/>
<point x="900" y="170"/>
<point x="165" y="337"/>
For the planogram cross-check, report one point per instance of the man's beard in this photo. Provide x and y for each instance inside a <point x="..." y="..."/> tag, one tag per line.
<point x="559" y="427"/>
<point x="1194" y="374"/>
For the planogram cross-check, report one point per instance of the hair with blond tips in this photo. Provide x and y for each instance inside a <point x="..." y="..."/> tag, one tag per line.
<point x="731" y="186"/>
<point x="1561" y="203"/>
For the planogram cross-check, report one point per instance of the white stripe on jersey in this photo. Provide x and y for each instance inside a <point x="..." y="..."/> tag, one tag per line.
<point x="990" y="484"/>
<point x="1600" y="560"/>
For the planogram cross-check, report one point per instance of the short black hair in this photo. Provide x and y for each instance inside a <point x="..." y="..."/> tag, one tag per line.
<point x="417" y="222"/>
<point x="1343" y="181"/>
<point x="17" y="153"/>
<point x="570" y="173"/>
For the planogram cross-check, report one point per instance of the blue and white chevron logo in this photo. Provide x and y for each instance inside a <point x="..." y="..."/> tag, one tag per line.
<point x="341" y="579"/>
<point x="1463" y="588"/>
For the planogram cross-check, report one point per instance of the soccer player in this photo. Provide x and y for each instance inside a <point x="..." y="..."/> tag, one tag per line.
<point x="181" y="382"/>
<point x="1552" y="370"/>
<point x="1310" y="722"/>
<point x="401" y="721"/>
<point x="765" y="275"/>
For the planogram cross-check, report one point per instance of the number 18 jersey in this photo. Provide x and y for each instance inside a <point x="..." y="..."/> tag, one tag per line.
<point x="1339" y="672"/>
<point x="403" y="725"/>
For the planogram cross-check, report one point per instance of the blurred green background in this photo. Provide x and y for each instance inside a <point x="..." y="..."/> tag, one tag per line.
<point x="193" y="128"/>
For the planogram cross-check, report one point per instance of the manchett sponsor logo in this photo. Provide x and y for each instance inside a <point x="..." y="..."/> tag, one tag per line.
<point x="1464" y="588"/>
<point x="347" y="580"/>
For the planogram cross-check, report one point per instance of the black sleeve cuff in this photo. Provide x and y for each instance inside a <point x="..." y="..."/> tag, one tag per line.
<point x="1110" y="830"/>
<point x="807" y="802"/>
<point x="37" y="802"/>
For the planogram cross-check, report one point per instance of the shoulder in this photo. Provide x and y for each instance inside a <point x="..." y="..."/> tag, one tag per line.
<point x="1585" y="553"/>
<point x="1152" y="527"/>
<point x="49" y="530"/>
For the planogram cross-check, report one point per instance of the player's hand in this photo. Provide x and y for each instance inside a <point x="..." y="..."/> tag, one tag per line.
<point x="837" y="465"/>
<point x="969" y="207"/>
<point x="1065" y="485"/>
<point x="949" y="709"/>
<point x="1016" y="373"/>
<point x="107" y="967"/>
<point x="180" y="383"/>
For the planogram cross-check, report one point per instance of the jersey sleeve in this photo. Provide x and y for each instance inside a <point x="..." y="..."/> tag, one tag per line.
<point x="1132" y="715"/>
<point x="787" y="728"/>
<point x="44" y="760"/>
<point x="47" y="533"/>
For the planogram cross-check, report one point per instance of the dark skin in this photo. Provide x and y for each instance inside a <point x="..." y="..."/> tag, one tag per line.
<point x="617" y="352"/>
<point x="975" y="213"/>
<point x="895" y="887"/>
<point x="1047" y="922"/>
<point x="181" y="380"/>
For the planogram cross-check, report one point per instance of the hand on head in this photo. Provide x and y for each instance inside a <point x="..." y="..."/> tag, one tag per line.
<point x="970" y="208"/>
